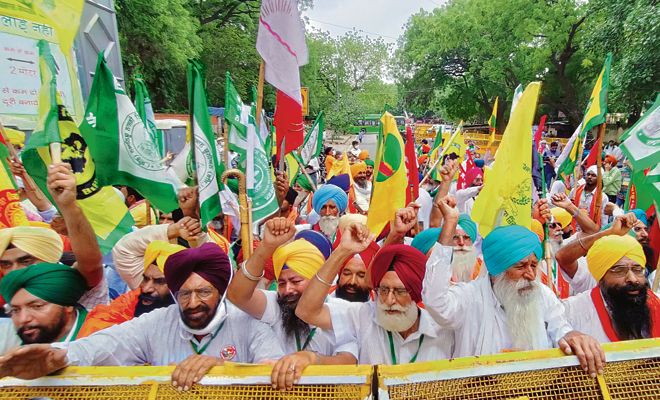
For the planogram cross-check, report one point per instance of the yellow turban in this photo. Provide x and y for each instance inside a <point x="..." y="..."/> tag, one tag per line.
<point x="537" y="228"/>
<point x="349" y="219"/>
<point x="364" y="154"/>
<point x="300" y="256"/>
<point x="561" y="216"/>
<point x="139" y="214"/>
<point x="157" y="253"/>
<point x="358" y="167"/>
<point x="607" y="250"/>
<point x="42" y="243"/>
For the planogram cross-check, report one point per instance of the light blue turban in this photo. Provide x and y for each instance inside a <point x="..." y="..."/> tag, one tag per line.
<point x="425" y="240"/>
<point x="641" y="215"/>
<point x="466" y="223"/>
<point x="506" y="245"/>
<point x="329" y="192"/>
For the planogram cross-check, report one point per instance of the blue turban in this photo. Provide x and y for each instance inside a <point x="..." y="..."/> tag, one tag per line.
<point x="466" y="223"/>
<point x="425" y="240"/>
<point x="317" y="239"/>
<point x="479" y="163"/>
<point x="342" y="181"/>
<point x="329" y="192"/>
<point x="506" y="245"/>
<point x="641" y="215"/>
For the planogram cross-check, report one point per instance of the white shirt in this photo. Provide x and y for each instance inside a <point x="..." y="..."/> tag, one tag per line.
<point x="8" y="338"/>
<point x="322" y="342"/>
<point x="99" y="294"/>
<point x="362" y="196"/>
<point x="157" y="338"/>
<point x="582" y="281"/>
<point x="582" y="315"/>
<point x="465" y="199"/>
<point x="475" y="314"/>
<point x="358" y="320"/>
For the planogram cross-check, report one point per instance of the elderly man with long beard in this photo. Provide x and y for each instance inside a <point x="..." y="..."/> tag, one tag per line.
<point x="199" y="332"/>
<point x="510" y="309"/>
<point x="295" y="264"/>
<point x="621" y="307"/>
<point x="329" y="203"/>
<point x="392" y="329"/>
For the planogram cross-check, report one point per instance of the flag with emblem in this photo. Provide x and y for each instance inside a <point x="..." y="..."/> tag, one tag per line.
<point x="208" y="170"/>
<point x="313" y="144"/>
<point x="103" y="208"/>
<point x="237" y="116"/>
<point x="492" y="123"/>
<point x="506" y="197"/>
<point x="146" y="112"/>
<point x="390" y="180"/>
<point x="124" y="149"/>
<point x="641" y="143"/>
<point x="12" y="213"/>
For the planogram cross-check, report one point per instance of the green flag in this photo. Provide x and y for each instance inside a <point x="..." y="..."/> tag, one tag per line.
<point x="207" y="168"/>
<point x="146" y="113"/>
<point x="237" y="117"/>
<point x="47" y="129"/>
<point x="122" y="147"/>
<point x="313" y="143"/>
<point x="641" y="143"/>
<point x="103" y="208"/>
<point x="257" y="172"/>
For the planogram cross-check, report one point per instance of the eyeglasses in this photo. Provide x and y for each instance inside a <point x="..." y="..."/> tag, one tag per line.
<point x="183" y="296"/>
<point x="621" y="271"/>
<point x="398" y="292"/>
<point x="553" y="225"/>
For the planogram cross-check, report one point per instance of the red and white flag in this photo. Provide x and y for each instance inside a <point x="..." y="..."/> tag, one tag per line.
<point x="464" y="167"/>
<point x="281" y="44"/>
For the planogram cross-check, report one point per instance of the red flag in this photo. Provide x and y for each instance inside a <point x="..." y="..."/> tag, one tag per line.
<point x="464" y="167"/>
<point x="592" y="159"/>
<point x="539" y="133"/>
<point x="411" y="163"/>
<point x="281" y="44"/>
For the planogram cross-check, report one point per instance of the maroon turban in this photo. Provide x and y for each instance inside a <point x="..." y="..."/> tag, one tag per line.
<point x="408" y="263"/>
<point x="208" y="261"/>
<point x="472" y="174"/>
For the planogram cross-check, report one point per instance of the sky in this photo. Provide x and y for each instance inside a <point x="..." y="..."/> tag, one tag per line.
<point x="373" y="18"/>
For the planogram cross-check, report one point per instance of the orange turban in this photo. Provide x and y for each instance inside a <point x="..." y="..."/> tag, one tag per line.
<point x="358" y="167"/>
<point x="364" y="154"/>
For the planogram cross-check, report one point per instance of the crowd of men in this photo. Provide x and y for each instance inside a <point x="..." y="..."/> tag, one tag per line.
<point x="320" y="288"/>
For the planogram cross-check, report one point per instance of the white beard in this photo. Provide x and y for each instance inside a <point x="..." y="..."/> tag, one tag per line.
<point x="522" y="312"/>
<point x="463" y="263"/>
<point x="329" y="225"/>
<point x="396" y="322"/>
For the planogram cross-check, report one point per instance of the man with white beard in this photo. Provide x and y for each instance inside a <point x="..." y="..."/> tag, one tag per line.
<point x="361" y="187"/>
<point x="508" y="311"/>
<point x="329" y="202"/>
<point x="392" y="329"/>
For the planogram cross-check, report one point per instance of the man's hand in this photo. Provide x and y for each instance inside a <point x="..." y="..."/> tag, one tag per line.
<point x="277" y="232"/>
<point x="447" y="206"/>
<point x="562" y="200"/>
<point x="404" y="219"/>
<point x="541" y="210"/>
<point x="281" y="186"/>
<point x="62" y="184"/>
<point x="192" y="369"/>
<point x="188" y="201"/>
<point x="186" y="228"/>
<point x="448" y="171"/>
<point x="356" y="238"/>
<point x="586" y="349"/>
<point x="622" y="224"/>
<point x="288" y="369"/>
<point x="16" y="167"/>
<point x="32" y="361"/>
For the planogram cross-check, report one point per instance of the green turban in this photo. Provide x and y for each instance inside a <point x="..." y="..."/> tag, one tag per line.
<point x="304" y="183"/>
<point x="369" y="162"/>
<point x="54" y="283"/>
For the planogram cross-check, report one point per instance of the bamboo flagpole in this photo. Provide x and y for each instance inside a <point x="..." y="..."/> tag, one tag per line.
<point x="260" y="95"/>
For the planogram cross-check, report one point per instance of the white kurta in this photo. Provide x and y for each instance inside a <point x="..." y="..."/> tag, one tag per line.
<point x="8" y="337"/>
<point x="351" y="321"/>
<point x="363" y="196"/>
<point x="582" y="315"/>
<point x="322" y="342"/>
<point x="582" y="281"/>
<point x="475" y="314"/>
<point x="157" y="338"/>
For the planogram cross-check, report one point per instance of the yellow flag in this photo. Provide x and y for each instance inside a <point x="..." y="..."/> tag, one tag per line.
<point x="340" y="167"/>
<point x="492" y="122"/>
<point x="390" y="180"/>
<point x="457" y="143"/>
<point x="506" y="198"/>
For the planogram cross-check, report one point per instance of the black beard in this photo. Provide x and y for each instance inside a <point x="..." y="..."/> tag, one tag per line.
<point x="46" y="334"/>
<point x="630" y="314"/>
<point x="290" y="322"/>
<point x="156" y="302"/>
<point x="361" y="294"/>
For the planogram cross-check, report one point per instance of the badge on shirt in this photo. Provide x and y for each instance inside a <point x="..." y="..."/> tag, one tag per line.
<point x="228" y="352"/>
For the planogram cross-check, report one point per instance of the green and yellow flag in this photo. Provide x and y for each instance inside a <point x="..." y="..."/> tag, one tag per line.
<point x="103" y="208"/>
<point x="506" y="198"/>
<point x="492" y="122"/>
<point x="390" y="179"/>
<point x="594" y="115"/>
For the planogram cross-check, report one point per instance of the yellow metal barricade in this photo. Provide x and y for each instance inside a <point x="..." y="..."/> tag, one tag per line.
<point x="230" y="382"/>
<point x="632" y="372"/>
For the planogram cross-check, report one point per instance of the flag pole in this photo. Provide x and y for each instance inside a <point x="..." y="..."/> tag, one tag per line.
<point x="599" y="185"/>
<point x="656" y="280"/>
<point x="225" y="147"/>
<point x="309" y="178"/>
<point x="260" y="95"/>
<point x="148" y="207"/>
<point x="27" y="179"/>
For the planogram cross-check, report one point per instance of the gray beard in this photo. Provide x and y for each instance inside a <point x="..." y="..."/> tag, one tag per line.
<point x="396" y="323"/>
<point x="463" y="262"/>
<point x="329" y="225"/>
<point x="522" y="310"/>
